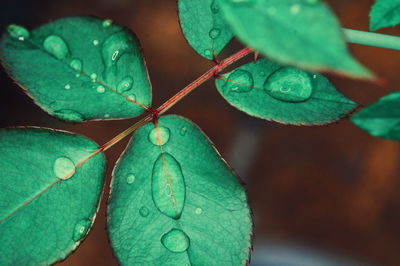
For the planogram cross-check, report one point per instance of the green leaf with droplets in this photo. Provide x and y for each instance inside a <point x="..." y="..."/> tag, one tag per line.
<point x="174" y="201"/>
<point x="204" y="27"/>
<point x="381" y="119"/>
<point x="79" y="68"/>
<point x="287" y="95"/>
<point x="49" y="197"/>
<point x="384" y="13"/>
<point x="303" y="33"/>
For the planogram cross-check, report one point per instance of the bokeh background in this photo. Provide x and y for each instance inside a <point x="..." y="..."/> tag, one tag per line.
<point x="315" y="191"/>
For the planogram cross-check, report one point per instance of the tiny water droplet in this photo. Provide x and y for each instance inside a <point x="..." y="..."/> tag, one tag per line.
<point x="314" y="76"/>
<point x="81" y="229"/>
<point x="289" y="84"/>
<point x="295" y="8"/>
<point x="76" y="64"/>
<point x="100" y="89"/>
<point x="95" y="42"/>
<point x="214" y="7"/>
<point x="168" y="186"/>
<point x="144" y="212"/>
<point x="198" y="211"/>
<point x="159" y="135"/>
<point x="77" y="75"/>
<point x="183" y="131"/>
<point x="176" y="241"/>
<point x="18" y="32"/>
<point x="107" y="23"/>
<point x="132" y="97"/>
<point x="64" y="168"/>
<point x="208" y="53"/>
<point x="93" y="76"/>
<point x="67" y="87"/>
<point x="56" y="46"/>
<point x="106" y="116"/>
<point x="69" y="115"/>
<point x="130" y="178"/>
<point x="240" y="81"/>
<point x="125" y="84"/>
<point x="214" y="33"/>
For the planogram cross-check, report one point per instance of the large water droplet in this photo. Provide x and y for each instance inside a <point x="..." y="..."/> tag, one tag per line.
<point x="289" y="84"/>
<point x="95" y="42"/>
<point x="100" y="89"/>
<point x="214" y="33"/>
<point x="239" y="81"/>
<point x="214" y="7"/>
<point x="64" y="168"/>
<point x="67" y="87"/>
<point x="168" y="186"/>
<point x="130" y="178"/>
<point x="144" y="212"/>
<point x="198" y="211"/>
<point x="93" y="76"/>
<point x="76" y="64"/>
<point x="159" y="135"/>
<point x="69" y="115"/>
<point x="125" y="84"/>
<point x="18" y="32"/>
<point x="56" y="46"/>
<point x="175" y="240"/>
<point x="81" y="229"/>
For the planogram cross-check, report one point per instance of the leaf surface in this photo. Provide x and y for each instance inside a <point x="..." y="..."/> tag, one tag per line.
<point x="204" y="27"/>
<point x="174" y="201"/>
<point x="303" y="33"/>
<point x="287" y="95"/>
<point x="381" y="119"/>
<point x="48" y="201"/>
<point x="79" y="68"/>
<point x="384" y="13"/>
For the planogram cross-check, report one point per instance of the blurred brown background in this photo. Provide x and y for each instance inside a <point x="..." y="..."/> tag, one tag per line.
<point x="333" y="188"/>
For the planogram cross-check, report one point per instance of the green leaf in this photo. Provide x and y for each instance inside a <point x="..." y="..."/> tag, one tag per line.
<point x="79" y="68"/>
<point x="303" y="33"/>
<point x="384" y="13"/>
<point x="381" y="119"/>
<point x="174" y="201"/>
<point x="287" y="95"/>
<point x="203" y="26"/>
<point x="49" y="198"/>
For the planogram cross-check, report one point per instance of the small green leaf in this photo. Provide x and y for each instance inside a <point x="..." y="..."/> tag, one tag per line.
<point x="203" y="26"/>
<point x="303" y="33"/>
<point x="381" y="119"/>
<point x="384" y="13"/>
<point x="79" y="68"/>
<point x="49" y="198"/>
<point x="287" y="95"/>
<point x="174" y="201"/>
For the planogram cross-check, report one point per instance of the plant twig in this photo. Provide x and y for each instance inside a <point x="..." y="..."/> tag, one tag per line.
<point x="372" y="39"/>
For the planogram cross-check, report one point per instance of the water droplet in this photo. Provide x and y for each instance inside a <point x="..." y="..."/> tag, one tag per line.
<point x="159" y="135"/>
<point x="132" y="97"/>
<point x="214" y="7"/>
<point x="289" y="84"/>
<point x="69" y="115"/>
<point x="314" y="76"/>
<point x="81" y="229"/>
<point x="168" y="186"/>
<point x="76" y="64"/>
<point x="95" y="42"/>
<point x="175" y="240"/>
<point x="214" y="33"/>
<point x="93" y="76"/>
<point x="198" y="211"/>
<point x="67" y="87"/>
<point x="295" y="8"/>
<point x="106" y="116"/>
<point x="56" y="46"/>
<point x="262" y="73"/>
<point x="64" y="168"/>
<point x="77" y="75"/>
<point x="18" y="32"/>
<point x="144" y="212"/>
<point x="107" y="23"/>
<point x="100" y="89"/>
<point x="240" y="81"/>
<point x="207" y="53"/>
<point x="183" y="131"/>
<point x="115" y="55"/>
<point x="125" y="85"/>
<point x="130" y="178"/>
